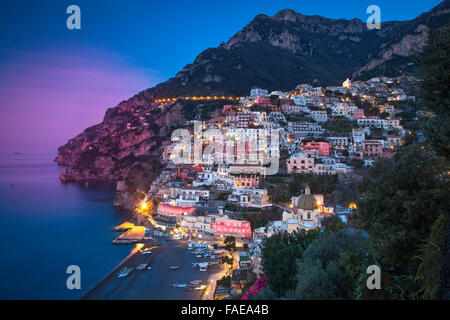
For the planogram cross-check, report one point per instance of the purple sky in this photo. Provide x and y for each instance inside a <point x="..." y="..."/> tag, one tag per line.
<point x="49" y="97"/>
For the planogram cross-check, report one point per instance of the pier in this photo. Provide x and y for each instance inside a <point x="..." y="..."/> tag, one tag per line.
<point x="135" y="234"/>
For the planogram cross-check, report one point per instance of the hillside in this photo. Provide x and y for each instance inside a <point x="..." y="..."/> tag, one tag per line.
<point x="275" y="52"/>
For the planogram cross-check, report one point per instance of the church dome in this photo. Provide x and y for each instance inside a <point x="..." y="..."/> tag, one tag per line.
<point x="306" y="202"/>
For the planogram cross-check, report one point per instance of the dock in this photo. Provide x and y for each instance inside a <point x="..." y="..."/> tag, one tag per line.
<point x="124" y="226"/>
<point x="137" y="234"/>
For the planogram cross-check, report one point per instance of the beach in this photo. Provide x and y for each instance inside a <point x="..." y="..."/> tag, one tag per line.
<point x="155" y="284"/>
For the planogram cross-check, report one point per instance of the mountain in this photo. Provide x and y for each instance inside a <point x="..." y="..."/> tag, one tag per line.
<point x="289" y="48"/>
<point x="275" y="52"/>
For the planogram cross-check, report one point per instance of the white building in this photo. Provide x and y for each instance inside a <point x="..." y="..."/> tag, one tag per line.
<point x="254" y="93"/>
<point x="338" y="142"/>
<point x="358" y="136"/>
<point x="247" y="197"/>
<point x="319" y="115"/>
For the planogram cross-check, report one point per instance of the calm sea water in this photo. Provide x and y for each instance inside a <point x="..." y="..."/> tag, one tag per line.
<point x="46" y="225"/>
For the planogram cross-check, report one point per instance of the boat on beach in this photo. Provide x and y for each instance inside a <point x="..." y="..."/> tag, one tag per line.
<point x="146" y="251"/>
<point x="179" y="285"/>
<point x="200" y="287"/>
<point x="174" y="267"/>
<point x="124" y="272"/>
<point x="142" y="266"/>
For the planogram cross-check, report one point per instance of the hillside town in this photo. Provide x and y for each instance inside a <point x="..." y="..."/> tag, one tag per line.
<point x="325" y="131"/>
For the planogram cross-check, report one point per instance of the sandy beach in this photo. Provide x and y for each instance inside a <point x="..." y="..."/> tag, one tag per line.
<point x="155" y="284"/>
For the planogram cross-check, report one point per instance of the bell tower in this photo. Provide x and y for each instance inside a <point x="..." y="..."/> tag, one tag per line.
<point x="307" y="190"/>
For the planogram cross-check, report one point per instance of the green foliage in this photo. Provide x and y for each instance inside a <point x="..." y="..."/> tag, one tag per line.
<point x="437" y="134"/>
<point x="230" y="244"/>
<point x="262" y="217"/>
<point x="250" y="281"/>
<point x="356" y="163"/>
<point x="435" y="73"/>
<point x="332" y="224"/>
<point x="319" y="274"/>
<point x="265" y="294"/>
<point x="341" y="126"/>
<point x="280" y="253"/>
<point x="225" y="281"/>
<point x="401" y="198"/>
<point x="435" y="62"/>
<point x="274" y="100"/>
<point x="353" y="264"/>
<point x="319" y="184"/>
<point x="227" y="260"/>
<point x="431" y="256"/>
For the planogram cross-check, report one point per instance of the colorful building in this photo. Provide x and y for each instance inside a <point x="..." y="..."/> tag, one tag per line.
<point x="300" y="163"/>
<point x="230" y="227"/>
<point x="170" y="211"/>
<point x="373" y="148"/>
<point x="322" y="148"/>
<point x="248" y="181"/>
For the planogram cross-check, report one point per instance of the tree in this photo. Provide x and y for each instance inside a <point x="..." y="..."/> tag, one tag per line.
<point x="225" y="281"/>
<point x="227" y="260"/>
<point x="265" y="294"/>
<point x="230" y="244"/>
<point x="434" y="70"/>
<point x="274" y="99"/>
<point x="251" y="278"/>
<point x="319" y="274"/>
<point x="279" y="255"/>
<point x="332" y="224"/>
<point x="401" y="198"/>
<point x="431" y="256"/>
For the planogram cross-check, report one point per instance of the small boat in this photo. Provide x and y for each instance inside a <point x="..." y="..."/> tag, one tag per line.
<point x="146" y="251"/>
<point x="201" y="287"/>
<point x="174" y="267"/>
<point x="196" y="282"/>
<point x="149" y="268"/>
<point x="124" y="272"/>
<point x="178" y="285"/>
<point x="142" y="266"/>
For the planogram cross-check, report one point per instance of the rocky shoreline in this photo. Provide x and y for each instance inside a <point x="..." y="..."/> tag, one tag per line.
<point x="127" y="143"/>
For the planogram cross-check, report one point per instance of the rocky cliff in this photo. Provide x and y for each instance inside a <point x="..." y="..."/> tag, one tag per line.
<point x="132" y="133"/>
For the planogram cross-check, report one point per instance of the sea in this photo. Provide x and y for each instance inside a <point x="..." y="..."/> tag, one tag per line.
<point x="47" y="225"/>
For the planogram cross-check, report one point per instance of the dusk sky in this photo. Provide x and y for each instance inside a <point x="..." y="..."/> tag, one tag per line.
<point x="55" y="82"/>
